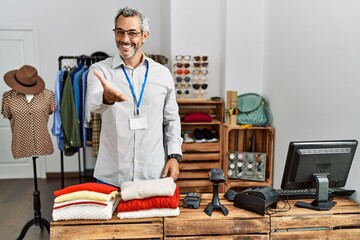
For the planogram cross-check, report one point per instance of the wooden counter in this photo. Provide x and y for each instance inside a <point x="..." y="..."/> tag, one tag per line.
<point x="143" y="228"/>
<point x="341" y="222"/>
<point x="238" y="224"/>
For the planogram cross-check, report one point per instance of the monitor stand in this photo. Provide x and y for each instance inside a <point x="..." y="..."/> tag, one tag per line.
<point x="321" y="202"/>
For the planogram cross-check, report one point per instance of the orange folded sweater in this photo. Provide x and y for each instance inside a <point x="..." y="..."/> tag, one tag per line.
<point x="89" y="186"/>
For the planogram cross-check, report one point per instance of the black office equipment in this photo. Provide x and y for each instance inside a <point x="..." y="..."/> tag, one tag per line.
<point x="310" y="193"/>
<point x="256" y="199"/>
<point x="320" y="165"/>
<point x="216" y="177"/>
<point x="230" y="195"/>
<point x="192" y="200"/>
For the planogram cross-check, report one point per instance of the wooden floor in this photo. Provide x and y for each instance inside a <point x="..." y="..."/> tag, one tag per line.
<point x="16" y="205"/>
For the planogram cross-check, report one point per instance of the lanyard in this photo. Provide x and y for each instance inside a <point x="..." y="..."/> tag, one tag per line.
<point x="132" y="87"/>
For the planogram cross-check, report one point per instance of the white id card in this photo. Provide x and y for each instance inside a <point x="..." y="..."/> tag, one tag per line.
<point x="138" y="123"/>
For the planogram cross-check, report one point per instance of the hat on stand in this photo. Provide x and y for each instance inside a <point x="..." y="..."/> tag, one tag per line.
<point x="25" y="80"/>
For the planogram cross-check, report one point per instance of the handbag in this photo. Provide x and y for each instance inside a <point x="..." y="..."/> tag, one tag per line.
<point x="253" y="109"/>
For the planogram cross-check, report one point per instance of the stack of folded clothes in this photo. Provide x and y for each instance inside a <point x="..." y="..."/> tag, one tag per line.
<point x="85" y="201"/>
<point x="149" y="198"/>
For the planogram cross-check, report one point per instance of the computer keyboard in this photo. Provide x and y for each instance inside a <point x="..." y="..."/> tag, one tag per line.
<point x="295" y="194"/>
<point x="309" y="193"/>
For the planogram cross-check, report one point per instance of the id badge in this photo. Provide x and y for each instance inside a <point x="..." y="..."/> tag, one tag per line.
<point x="138" y="123"/>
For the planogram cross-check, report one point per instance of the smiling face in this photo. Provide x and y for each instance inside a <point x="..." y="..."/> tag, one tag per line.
<point x="130" y="48"/>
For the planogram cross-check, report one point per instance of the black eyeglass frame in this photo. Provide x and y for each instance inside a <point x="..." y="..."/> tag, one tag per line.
<point x="132" y="34"/>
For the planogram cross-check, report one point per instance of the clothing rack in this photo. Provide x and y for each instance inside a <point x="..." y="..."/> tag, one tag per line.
<point x="86" y="61"/>
<point x="83" y="59"/>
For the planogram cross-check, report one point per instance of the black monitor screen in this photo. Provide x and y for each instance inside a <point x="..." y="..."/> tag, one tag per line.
<point x="308" y="162"/>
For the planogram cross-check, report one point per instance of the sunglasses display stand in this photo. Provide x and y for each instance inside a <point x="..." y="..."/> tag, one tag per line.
<point x="190" y="76"/>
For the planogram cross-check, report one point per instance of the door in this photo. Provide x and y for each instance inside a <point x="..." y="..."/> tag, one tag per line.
<point x="18" y="46"/>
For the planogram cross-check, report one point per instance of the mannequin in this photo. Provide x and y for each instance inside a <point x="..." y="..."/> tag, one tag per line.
<point x="28" y="106"/>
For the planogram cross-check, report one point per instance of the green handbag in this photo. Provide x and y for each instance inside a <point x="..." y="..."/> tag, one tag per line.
<point x="253" y="109"/>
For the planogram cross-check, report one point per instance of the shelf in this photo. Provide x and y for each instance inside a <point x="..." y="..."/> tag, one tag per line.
<point x="214" y="121"/>
<point x="240" y="140"/>
<point x="200" y="158"/>
<point x="201" y="147"/>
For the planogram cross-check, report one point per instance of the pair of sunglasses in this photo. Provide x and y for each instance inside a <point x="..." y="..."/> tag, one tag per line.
<point x="200" y="58"/>
<point x="201" y="64"/>
<point x="180" y="79"/>
<point x="183" y="91"/>
<point x="182" y="65"/>
<point x="180" y="71"/>
<point x="203" y="86"/>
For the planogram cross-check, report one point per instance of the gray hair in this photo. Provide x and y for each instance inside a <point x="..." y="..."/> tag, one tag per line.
<point x="131" y="12"/>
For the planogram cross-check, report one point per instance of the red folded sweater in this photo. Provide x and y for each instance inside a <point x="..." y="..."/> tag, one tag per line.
<point x="197" y="117"/>
<point x="151" y="202"/>
<point x="90" y="186"/>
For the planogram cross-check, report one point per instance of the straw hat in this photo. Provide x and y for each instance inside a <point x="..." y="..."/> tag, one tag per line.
<point x="25" y="80"/>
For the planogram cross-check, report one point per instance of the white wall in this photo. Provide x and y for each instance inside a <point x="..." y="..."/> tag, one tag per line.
<point x="302" y="55"/>
<point x="197" y="28"/>
<point x="244" y="45"/>
<point x="80" y="27"/>
<point x="311" y="74"/>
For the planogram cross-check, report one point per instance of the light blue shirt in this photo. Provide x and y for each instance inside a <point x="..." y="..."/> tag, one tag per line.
<point x="56" y="129"/>
<point x="83" y="97"/>
<point x="130" y="155"/>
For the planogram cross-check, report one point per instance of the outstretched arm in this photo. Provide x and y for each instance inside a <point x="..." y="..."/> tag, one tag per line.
<point x="111" y="95"/>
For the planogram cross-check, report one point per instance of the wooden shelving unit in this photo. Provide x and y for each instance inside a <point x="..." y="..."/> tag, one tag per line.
<point x="250" y="139"/>
<point x="199" y="158"/>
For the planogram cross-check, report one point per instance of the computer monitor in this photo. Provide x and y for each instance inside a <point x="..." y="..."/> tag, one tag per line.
<point x="319" y="165"/>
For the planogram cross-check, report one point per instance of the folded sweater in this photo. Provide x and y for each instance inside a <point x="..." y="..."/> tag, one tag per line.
<point x="156" y="212"/>
<point x="89" y="186"/>
<point x="147" y="188"/>
<point x="152" y="202"/>
<point x="84" y="211"/>
<point x="86" y="195"/>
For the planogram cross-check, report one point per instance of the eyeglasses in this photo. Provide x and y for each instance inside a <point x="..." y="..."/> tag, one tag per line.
<point x="203" y="86"/>
<point x="201" y="58"/>
<point x="201" y="64"/>
<point x="181" y="65"/>
<point x="181" y="86"/>
<point x="180" y="71"/>
<point x="202" y="72"/>
<point x="186" y="79"/>
<point x="199" y="79"/>
<point x="182" y="57"/>
<point x="121" y="33"/>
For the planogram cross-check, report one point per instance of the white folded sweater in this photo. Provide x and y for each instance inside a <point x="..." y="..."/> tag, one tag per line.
<point x="147" y="188"/>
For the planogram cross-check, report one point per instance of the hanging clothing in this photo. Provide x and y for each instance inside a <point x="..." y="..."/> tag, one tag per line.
<point x="84" y="125"/>
<point x="77" y="90"/>
<point x="29" y="122"/>
<point x="56" y="129"/>
<point x="96" y="129"/>
<point x="69" y="121"/>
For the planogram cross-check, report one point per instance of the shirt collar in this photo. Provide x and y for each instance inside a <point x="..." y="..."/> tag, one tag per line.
<point x="117" y="61"/>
